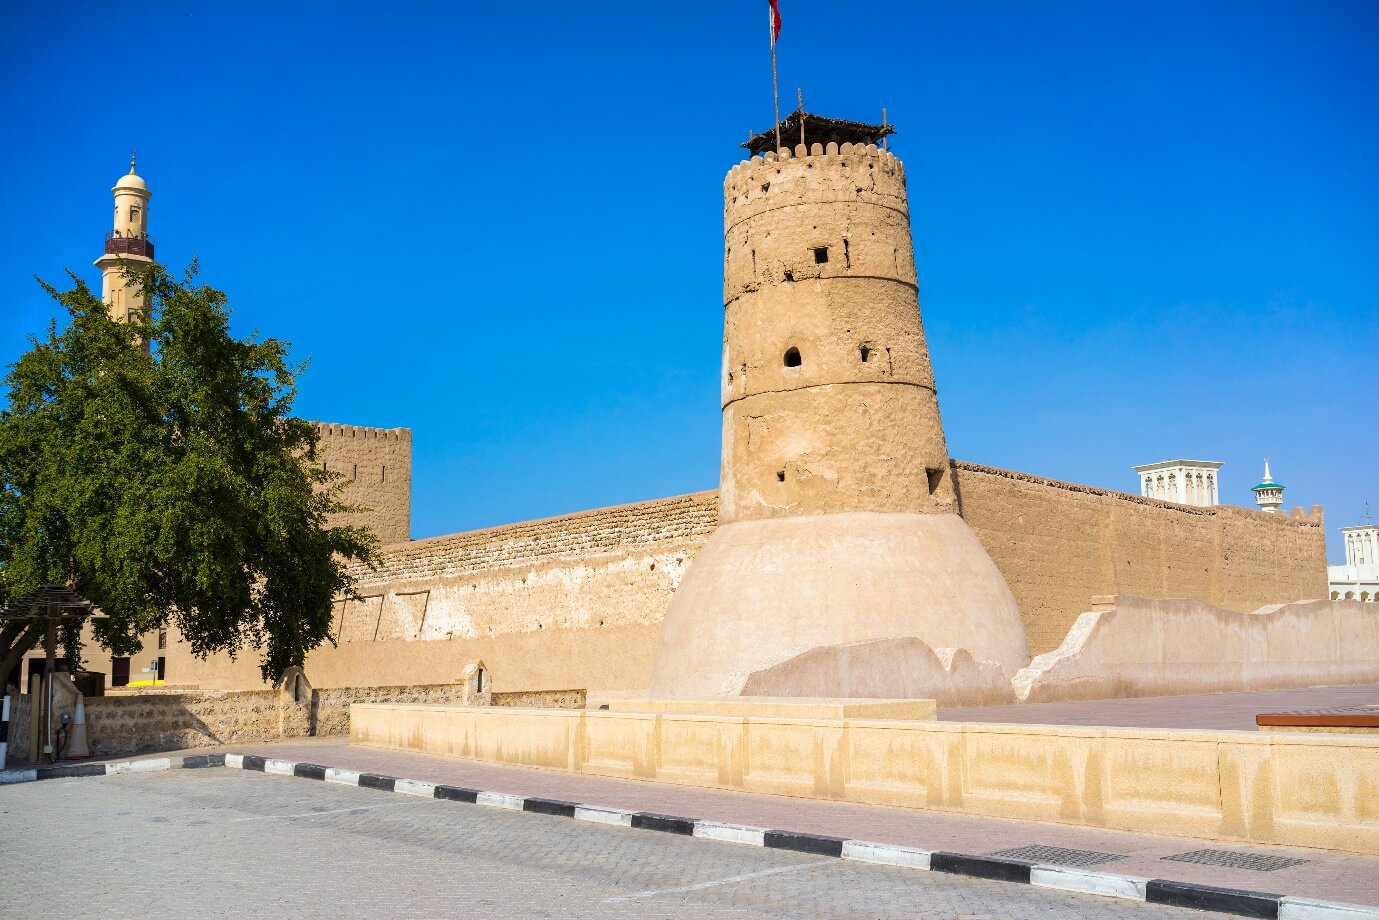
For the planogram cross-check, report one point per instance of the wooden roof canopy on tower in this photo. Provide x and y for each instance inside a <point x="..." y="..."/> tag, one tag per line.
<point x="817" y="130"/>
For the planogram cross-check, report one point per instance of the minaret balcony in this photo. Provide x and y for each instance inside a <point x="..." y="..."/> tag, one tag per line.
<point x="126" y="244"/>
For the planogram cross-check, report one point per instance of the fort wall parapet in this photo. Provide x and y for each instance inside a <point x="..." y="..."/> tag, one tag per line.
<point x="333" y="430"/>
<point x="788" y="177"/>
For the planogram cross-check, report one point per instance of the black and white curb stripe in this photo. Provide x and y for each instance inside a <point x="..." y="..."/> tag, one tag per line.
<point x="150" y="765"/>
<point x="1154" y="891"/>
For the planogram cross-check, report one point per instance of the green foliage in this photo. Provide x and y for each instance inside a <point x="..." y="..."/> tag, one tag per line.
<point x="154" y="466"/>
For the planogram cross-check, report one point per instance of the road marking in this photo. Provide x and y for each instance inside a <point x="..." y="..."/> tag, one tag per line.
<point x="732" y="879"/>
<point x="317" y="814"/>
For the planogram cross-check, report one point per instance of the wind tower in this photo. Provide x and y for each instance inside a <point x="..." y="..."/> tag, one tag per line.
<point x="838" y="519"/>
<point x="127" y="245"/>
<point x="1268" y="494"/>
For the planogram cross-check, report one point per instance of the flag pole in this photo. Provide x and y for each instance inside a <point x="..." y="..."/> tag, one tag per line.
<point x="775" y="83"/>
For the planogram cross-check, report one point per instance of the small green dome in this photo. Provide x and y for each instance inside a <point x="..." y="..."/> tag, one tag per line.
<point x="1268" y="485"/>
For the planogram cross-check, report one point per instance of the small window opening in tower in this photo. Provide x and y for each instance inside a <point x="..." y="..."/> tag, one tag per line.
<point x="792" y="357"/>
<point x="789" y="275"/>
<point x="383" y="473"/>
<point x="820" y="255"/>
<point x="780" y="475"/>
<point x="866" y="354"/>
<point x="935" y="480"/>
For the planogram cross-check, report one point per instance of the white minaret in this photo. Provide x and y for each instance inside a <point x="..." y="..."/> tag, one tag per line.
<point x="128" y="245"/>
<point x="1268" y="494"/>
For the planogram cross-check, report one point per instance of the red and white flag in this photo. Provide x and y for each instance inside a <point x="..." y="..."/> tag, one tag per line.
<point x="774" y="13"/>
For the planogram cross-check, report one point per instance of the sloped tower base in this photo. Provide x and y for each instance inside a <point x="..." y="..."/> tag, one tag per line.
<point x="763" y="591"/>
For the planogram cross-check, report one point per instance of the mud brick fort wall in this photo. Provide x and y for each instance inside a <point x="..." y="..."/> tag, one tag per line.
<point x="1059" y="544"/>
<point x="570" y="602"/>
<point x="576" y="602"/>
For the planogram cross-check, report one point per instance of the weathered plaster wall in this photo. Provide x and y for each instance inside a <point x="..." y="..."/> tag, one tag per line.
<point x="377" y="466"/>
<point x="561" y="603"/>
<point x="1060" y="544"/>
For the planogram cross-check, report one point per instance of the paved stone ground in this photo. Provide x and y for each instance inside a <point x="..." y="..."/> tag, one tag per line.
<point x="1228" y="711"/>
<point x="220" y="843"/>
<point x="1325" y="875"/>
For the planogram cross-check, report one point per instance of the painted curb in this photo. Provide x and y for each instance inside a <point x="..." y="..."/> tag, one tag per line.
<point x="112" y="768"/>
<point x="1066" y="879"/>
<point x="1157" y="891"/>
<point x="1207" y="897"/>
<point x="1312" y="909"/>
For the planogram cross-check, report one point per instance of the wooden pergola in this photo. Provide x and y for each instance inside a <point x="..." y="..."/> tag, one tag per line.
<point x="52" y="605"/>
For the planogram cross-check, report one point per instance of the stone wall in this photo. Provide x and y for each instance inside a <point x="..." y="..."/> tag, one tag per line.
<point x="130" y="723"/>
<point x="377" y="466"/>
<point x="1059" y="544"/>
<point x="138" y="722"/>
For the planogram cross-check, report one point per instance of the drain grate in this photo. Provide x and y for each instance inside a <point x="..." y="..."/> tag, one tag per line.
<point x="1235" y="859"/>
<point x="1058" y="856"/>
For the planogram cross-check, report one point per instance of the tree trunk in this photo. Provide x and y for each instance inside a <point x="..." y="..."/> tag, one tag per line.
<point x="15" y="641"/>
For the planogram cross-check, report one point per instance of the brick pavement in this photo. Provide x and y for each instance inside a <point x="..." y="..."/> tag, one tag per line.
<point x="216" y="843"/>
<point x="1325" y="875"/>
<point x="1222" y="711"/>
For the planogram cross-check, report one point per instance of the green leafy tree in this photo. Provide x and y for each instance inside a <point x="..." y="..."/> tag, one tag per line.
<point x="155" y="467"/>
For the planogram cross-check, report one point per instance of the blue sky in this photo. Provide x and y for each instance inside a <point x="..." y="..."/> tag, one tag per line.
<point x="1143" y="231"/>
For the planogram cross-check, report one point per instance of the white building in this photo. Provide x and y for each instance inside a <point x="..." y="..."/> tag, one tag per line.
<point x="1358" y="579"/>
<point x="1187" y="482"/>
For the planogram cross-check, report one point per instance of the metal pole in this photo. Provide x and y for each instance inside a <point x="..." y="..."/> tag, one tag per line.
<point x="799" y="96"/>
<point x="885" y="141"/>
<point x="775" y="84"/>
<point x="4" y="730"/>
<point x="49" y="654"/>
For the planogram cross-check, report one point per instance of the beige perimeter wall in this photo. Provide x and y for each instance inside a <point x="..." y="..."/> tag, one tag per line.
<point x="1271" y="788"/>
<point x="577" y="601"/>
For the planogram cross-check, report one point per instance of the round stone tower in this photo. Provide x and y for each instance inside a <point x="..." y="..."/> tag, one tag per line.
<point x="127" y="245"/>
<point x="838" y="517"/>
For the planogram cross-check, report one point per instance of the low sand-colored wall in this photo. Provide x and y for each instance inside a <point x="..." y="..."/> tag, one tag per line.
<point x="1271" y="788"/>
<point x="1137" y="646"/>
